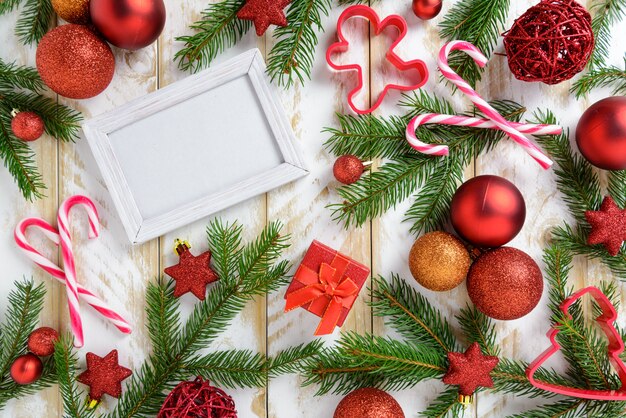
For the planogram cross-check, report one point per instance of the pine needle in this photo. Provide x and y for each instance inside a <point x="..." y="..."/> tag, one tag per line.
<point x="613" y="76"/>
<point x="606" y="13"/>
<point x="34" y="21"/>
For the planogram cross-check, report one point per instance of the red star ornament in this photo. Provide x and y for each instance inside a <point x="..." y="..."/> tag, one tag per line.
<point x="104" y="375"/>
<point x="264" y="13"/>
<point x="608" y="226"/>
<point x="192" y="274"/>
<point x="470" y="370"/>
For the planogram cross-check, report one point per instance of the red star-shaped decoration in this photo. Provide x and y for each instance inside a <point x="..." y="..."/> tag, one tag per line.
<point x="104" y="375"/>
<point x="608" y="226"/>
<point x="192" y="274"/>
<point x="470" y="369"/>
<point x="264" y="13"/>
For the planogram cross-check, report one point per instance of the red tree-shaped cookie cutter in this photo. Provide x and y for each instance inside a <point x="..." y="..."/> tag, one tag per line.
<point x="377" y="26"/>
<point x="616" y="346"/>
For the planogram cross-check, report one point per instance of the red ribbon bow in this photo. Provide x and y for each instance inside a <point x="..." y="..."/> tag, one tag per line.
<point x="330" y="289"/>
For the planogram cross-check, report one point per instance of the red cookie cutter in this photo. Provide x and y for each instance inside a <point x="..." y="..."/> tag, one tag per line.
<point x="614" y="349"/>
<point x="378" y="26"/>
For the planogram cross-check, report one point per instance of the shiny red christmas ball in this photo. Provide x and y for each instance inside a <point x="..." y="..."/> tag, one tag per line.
<point x="41" y="341"/>
<point x="601" y="133"/>
<point x="348" y="169"/>
<point x="427" y="9"/>
<point x="26" y="369"/>
<point x="129" y="24"/>
<point x="505" y="283"/>
<point x="27" y="126"/>
<point x="488" y="211"/>
<point x="368" y="403"/>
<point x="74" y="62"/>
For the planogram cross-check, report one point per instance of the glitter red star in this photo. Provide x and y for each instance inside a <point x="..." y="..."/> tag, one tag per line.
<point x="470" y="370"/>
<point x="192" y="274"/>
<point x="608" y="226"/>
<point x="264" y="13"/>
<point x="104" y="375"/>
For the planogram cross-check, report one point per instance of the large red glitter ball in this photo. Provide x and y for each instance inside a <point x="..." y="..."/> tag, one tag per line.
<point x="601" y="133"/>
<point x="197" y="399"/>
<point x="427" y="9"/>
<point x="505" y="283"/>
<point x="348" y="169"/>
<point x="129" y="24"/>
<point x="74" y="62"/>
<point x="26" y="369"/>
<point x="27" y="126"/>
<point x="41" y="341"/>
<point x="368" y="403"/>
<point x="488" y="211"/>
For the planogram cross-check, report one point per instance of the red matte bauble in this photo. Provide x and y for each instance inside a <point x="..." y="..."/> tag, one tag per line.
<point x="427" y="9"/>
<point x="505" y="283"/>
<point x="74" y="62"/>
<point x="488" y="211"/>
<point x="348" y="169"/>
<point x="601" y="133"/>
<point x="129" y="24"/>
<point x="368" y="403"/>
<point x="26" y="369"/>
<point x="27" y="126"/>
<point x="41" y="341"/>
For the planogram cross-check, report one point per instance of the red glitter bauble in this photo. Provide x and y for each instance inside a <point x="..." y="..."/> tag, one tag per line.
<point x="488" y="211"/>
<point x="197" y="399"/>
<point x="129" y="24"/>
<point x="368" y="403"/>
<point x="74" y="62"/>
<point x="104" y="375"/>
<point x="427" y="9"/>
<point x="601" y="133"/>
<point x="505" y="283"/>
<point x="27" y="126"/>
<point x="41" y="341"/>
<point x="348" y="169"/>
<point x="26" y="369"/>
<point x="551" y="42"/>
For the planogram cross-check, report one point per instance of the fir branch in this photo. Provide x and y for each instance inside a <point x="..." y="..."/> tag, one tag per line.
<point x="229" y="369"/>
<point x="7" y="6"/>
<point x="13" y="76"/>
<point x="617" y="187"/>
<point x="293" y="55"/>
<point x="478" y="328"/>
<point x="410" y="313"/>
<point x="606" y="14"/>
<point x="446" y="405"/>
<point x="34" y="20"/>
<point x="613" y="76"/>
<point x="217" y="30"/>
<point x="66" y="362"/>
<point x="477" y="21"/>
<point x="294" y="359"/>
<point x="163" y="318"/>
<point x="509" y="376"/>
<point x="225" y="244"/>
<point x="558" y="262"/>
<point x="567" y="408"/>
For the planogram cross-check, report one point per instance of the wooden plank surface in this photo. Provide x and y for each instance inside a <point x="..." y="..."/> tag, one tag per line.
<point x="114" y="268"/>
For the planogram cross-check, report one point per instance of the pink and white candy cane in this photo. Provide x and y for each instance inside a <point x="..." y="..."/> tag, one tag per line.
<point x="514" y="130"/>
<point x="68" y="277"/>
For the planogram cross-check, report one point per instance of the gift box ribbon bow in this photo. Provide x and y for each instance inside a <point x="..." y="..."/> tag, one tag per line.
<point x="329" y="287"/>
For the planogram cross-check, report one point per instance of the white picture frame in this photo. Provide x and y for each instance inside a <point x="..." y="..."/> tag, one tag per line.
<point x="226" y="121"/>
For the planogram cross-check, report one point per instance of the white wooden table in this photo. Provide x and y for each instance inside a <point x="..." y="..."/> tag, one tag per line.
<point x="113" y="268"/>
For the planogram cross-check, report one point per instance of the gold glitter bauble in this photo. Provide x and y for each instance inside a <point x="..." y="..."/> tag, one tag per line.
<point x="73" y="11"/>
<point x="368" y="403"/>
<point x="439" y="261"/>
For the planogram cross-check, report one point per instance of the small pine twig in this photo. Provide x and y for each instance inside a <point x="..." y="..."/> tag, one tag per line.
<point x="66" y="361"/>
<point x="606" y="14"/>
<point x="13" y="76"/>
<point x="446" y="405"/>
<point x="478" y="328"/>
<point x="613" y="76"/>
<point x="35" y="20"/>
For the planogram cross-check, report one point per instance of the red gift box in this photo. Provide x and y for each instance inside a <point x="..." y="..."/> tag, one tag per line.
<point x="326" y="284"/>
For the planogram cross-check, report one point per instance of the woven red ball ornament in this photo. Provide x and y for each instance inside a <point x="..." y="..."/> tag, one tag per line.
<point x="551" y="42"/>
<point x="198" y="399"/>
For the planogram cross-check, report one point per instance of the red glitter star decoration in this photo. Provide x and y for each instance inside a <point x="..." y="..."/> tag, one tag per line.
<point x="264" y="13"/>
<point x="104" y="375"/>
<point x="470" y="370"/>
<point x="608" y="226"/>
<point x="192" y="274"/>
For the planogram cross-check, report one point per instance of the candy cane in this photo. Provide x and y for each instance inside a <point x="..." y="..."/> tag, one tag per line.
<point x="495" y="120"/>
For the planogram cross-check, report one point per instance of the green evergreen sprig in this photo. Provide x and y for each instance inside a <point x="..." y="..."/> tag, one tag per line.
<point x="612" y="76"/>
<point x="606" y="13"/>
<point x="34" y="20"/>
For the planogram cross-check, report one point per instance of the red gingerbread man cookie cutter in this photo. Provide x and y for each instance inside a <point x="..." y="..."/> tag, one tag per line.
<point x="615" y="347"/>
<point x="378" y="26"/>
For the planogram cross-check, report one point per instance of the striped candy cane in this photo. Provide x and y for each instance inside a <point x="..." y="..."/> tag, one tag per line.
<point x="494" y="121"/>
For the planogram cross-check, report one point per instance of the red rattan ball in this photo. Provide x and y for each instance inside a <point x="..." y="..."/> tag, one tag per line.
<point x="198" y="399"/>
<point x="551" y="42"/>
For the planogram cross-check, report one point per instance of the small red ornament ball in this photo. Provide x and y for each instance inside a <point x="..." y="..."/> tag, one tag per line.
<point x="601" y="133"/>
<point x="129" y="24"/>
<point x="348" y="169"/>
<point x="427" y="9"/>
<point x="41" y="341"/>
<point x="505" y="283"/>
<point x="26" y="369"/>
<point x="27" y="126"/>
<point x="368" y="403"/>
<point x="488" y="211"/>
<point x="74" y="62"/>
